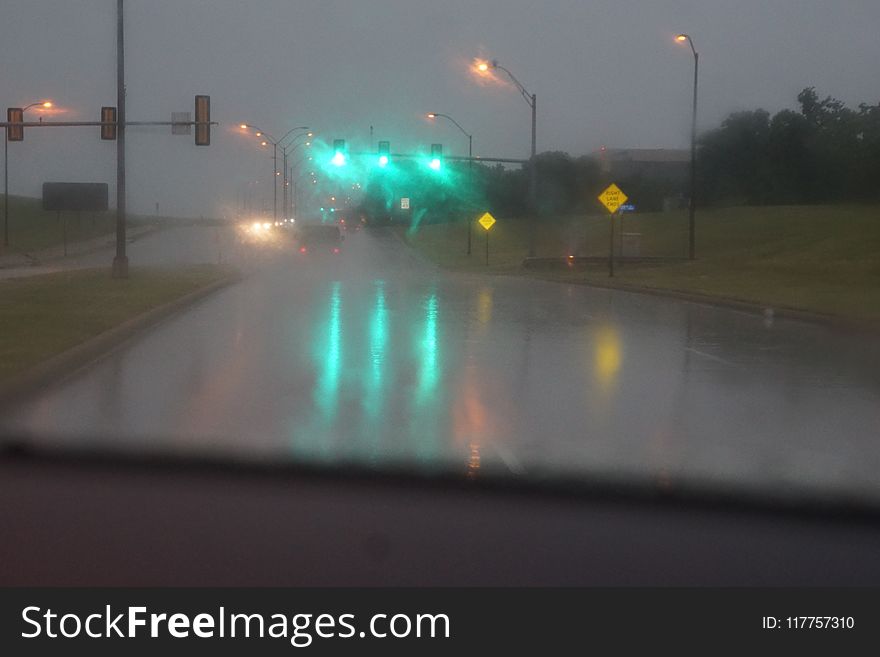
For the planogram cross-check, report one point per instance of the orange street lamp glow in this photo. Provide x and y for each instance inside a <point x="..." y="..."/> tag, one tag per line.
<point x="681" y="38"/>
<point x="47" y="104"/>
<point x="243" y="126"/>
<point x="263" y="143"/>
<point x="431" y="115"/>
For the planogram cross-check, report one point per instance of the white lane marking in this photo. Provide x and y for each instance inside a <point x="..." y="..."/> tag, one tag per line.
<point x="709" y="356"/>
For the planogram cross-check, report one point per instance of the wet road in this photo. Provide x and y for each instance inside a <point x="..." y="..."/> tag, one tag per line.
<point x="375" y="357"/>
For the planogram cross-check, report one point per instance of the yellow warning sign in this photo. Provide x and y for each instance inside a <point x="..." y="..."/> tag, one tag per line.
<point x="486" y="221"/>
<point x="612" y="198"/>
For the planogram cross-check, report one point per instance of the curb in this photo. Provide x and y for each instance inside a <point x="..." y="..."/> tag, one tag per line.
<point x="60" y="367"/>
<point x="751" y="307"/>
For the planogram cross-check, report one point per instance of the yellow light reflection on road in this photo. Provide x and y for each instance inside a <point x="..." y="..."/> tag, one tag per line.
<point x="608" y="355"/>
<point x="484" y="307"/>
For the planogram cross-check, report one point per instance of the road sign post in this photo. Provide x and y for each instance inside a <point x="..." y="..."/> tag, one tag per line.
<point x="612" y="198"/>
<point x="487" y="221"/>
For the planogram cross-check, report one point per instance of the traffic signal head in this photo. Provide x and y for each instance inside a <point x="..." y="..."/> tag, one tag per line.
<point x="436" y="155"/>
<point x="108" y="123"/>
<point x="15" y="132"/>
<point x="203" y="120"/>
<point x="384" y="153"/>
<point x="338" y="152"/>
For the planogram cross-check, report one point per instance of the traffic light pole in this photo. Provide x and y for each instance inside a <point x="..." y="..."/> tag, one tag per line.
<point x="5" y="187"/>
<point x="120" y="262"/>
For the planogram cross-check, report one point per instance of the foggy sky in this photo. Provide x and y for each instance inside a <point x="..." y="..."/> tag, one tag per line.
<point x="604" y="71"/>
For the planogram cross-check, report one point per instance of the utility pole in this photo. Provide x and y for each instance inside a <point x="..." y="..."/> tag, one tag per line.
<point x="120" y="262"/>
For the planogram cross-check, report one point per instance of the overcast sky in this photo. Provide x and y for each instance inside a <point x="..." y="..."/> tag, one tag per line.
<point x="604" y="71"/>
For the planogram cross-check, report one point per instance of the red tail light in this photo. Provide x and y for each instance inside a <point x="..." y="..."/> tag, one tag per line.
<point x="335" y="249"/>
<point x="302" y="249"/>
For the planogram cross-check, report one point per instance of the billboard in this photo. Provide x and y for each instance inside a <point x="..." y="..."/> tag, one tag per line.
<point x="75" y="197"/>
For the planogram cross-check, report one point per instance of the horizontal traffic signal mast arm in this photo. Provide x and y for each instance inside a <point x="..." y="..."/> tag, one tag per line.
<point x="70" y="124"/>
<point x="463" y="158"/>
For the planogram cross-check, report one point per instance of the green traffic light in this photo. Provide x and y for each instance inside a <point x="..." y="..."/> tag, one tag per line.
<point x="338" y="159"/>
<point x="435" y="164"/>
<point x="383" y="160"/>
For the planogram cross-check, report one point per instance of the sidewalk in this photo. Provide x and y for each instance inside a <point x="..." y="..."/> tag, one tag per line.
<point x="15" y="263"/>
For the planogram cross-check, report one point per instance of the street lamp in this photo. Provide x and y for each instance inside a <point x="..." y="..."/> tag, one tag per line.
<point x="434" y="115"/>
<point x="531" y="99"/>
<point x="275" y="143"/>
<point x="42" y="103"/>
<point x="293" y="145"/>
<point x="692" y="203"/>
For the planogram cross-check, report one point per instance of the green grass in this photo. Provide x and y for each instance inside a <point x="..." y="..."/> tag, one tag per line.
<point x="823" y="259"/>
<point x="31" y="228"/>
<point x="45" y="315"/>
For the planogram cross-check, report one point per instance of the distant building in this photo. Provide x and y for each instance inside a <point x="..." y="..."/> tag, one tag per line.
<point x="669" y="164"/>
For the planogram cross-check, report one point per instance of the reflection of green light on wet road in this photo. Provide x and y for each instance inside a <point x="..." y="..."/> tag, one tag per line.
<point x="378" y="344"/>
<point x="328" y="383"/>
<point x="428" y="372"/>
<point x="424" y="422"/>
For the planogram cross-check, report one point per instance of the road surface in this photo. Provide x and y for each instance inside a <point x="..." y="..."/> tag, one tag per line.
<point x="374" y="357"/>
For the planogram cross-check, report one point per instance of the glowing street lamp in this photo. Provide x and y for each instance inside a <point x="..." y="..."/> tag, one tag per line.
<point x="434" y="115"/>
<point x="692" y="204"/>
<point x="532" y="100"/>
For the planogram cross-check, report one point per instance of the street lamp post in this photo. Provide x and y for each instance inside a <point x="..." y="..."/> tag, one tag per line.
<point x="42" y="103"/>
<point x="532" y="100"/>
<point x="692" y="204"/>
<point x="293" y="145"/>
<point x="433" y="115"/>
<point x="275" y="143"/>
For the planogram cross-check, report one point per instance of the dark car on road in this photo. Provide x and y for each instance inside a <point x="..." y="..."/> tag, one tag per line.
<point x="319" y="239"/>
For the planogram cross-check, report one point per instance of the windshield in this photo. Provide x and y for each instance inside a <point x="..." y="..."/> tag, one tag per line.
<point x="586" y="241"/>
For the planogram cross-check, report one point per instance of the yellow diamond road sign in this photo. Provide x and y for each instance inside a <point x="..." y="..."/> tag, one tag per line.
<point x="612" y="198"/>
<point x="486" y="221"/>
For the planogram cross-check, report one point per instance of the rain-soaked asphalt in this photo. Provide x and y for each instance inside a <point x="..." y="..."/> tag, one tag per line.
<point x="375" y="357"/>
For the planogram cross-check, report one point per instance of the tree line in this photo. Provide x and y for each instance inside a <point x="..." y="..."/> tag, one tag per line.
<point x="825" y="152"/>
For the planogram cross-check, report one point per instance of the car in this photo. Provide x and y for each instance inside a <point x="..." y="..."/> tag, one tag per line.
<point x="319" y="238"/>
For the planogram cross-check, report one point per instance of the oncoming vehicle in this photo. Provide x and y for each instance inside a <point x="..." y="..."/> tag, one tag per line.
<point x="319" y="239"/>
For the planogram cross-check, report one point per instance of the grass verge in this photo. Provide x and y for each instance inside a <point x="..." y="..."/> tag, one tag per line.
<point x="48" y="314"/>
<point x="31" y="228"/>
<point x="820" y="259"/>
